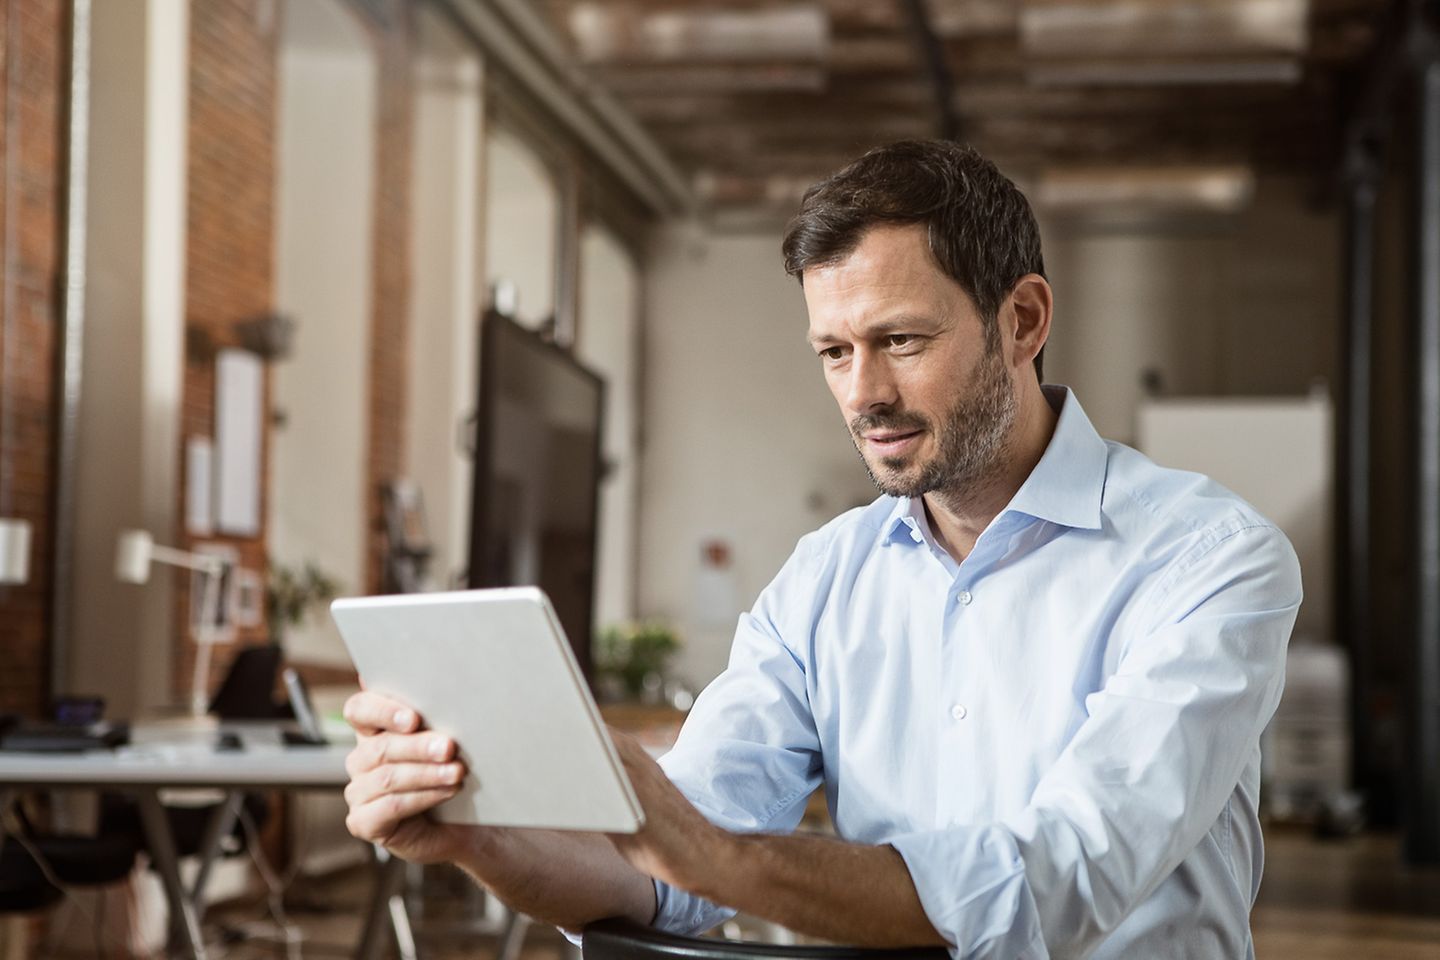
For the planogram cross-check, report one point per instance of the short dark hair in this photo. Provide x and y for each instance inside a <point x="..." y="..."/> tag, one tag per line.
<point x="980" y="227"/>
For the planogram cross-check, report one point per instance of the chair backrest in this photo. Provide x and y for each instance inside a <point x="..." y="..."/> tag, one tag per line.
<point x="246" y="693"/>
<point x="626" y="940"/>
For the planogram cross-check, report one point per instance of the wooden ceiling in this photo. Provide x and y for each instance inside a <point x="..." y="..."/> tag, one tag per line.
<point x="757" y="98"/>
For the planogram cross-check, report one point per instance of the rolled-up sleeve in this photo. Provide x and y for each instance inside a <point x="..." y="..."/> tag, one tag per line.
<point x="1147" y="774"/>
<point x="748" y="756"/>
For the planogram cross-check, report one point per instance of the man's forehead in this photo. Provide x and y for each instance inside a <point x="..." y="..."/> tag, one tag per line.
<point x="890" y="279"/>
<point x="886" y="254"/>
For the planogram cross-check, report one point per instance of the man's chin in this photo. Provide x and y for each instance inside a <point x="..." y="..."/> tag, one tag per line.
<point x="900" y="482"/>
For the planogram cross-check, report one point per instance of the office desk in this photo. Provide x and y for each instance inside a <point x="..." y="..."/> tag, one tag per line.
<point x="168" y="757"/>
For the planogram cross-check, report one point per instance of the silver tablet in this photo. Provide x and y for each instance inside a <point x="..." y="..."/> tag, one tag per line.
<point x="492" y="669"/>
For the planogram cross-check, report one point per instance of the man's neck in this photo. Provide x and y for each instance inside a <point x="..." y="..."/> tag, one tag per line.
<point x="957" y="518"/>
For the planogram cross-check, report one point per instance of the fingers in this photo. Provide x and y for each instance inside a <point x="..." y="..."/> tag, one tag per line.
<point x="371" y="713"/>
<point x="398" y="778"/>
<point x="377" y="820"/>
<point x="381" y="749"/>
<point x="383" y="797"/>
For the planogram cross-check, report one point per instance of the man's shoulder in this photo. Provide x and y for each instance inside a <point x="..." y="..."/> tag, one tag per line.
<point x="859" y="528"/>
<point x="1144" y="499"/>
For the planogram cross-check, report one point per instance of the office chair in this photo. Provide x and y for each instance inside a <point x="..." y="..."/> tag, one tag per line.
<point x="626" y="940"/>
<point x="73" y="860"/>
<point x="23" y="888"/>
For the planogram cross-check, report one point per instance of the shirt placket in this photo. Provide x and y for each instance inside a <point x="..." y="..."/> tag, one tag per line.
<point x="960" y="725"/>
<point x="954" y="724"/>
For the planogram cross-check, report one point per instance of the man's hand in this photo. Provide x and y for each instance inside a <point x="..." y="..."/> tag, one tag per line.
<point x="847" y="892"/>
<point x="398" y="772"/>
<point x="677" y="844"/>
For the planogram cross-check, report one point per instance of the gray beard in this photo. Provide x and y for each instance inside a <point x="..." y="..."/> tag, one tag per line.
<point x="972" y="438"/>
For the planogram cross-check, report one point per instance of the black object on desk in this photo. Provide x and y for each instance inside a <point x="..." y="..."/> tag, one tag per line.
<point x="228" y="741"/>
<point x="61" y="738"/>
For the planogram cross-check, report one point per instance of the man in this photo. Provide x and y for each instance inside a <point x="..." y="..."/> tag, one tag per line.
<point x="1031" y="676"/>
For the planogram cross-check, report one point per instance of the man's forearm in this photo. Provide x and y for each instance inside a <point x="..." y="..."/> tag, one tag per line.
<point x="849" y="893"/>
<point x="561" y="878"/>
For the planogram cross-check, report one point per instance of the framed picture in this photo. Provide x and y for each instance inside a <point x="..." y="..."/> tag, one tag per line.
<point x="247" y="589"/>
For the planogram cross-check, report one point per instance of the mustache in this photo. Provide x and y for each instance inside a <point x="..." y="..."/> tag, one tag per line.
<point x="889" y="422"/>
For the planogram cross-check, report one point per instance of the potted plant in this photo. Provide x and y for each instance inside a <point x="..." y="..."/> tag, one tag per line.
<point x="634" y="657"/>
<point x="290" y="593"/>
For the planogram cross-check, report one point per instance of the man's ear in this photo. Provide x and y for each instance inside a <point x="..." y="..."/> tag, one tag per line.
<point x="1029" y="304"/>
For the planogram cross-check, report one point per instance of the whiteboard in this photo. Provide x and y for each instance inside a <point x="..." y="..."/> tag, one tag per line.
<point x="239" y="412"/>
<point x="1277" y="454"/>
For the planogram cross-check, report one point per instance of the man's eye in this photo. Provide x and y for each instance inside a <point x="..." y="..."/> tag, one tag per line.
<point x="832" y="353"/>
<point x="899" y="339"/>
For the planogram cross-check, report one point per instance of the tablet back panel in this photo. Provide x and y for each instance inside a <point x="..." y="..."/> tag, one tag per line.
<point x="492" y="669"/>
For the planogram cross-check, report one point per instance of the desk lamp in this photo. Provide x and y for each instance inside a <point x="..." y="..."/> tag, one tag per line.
<point x="135" y="550"/>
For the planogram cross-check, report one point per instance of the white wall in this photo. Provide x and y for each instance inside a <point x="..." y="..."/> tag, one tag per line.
<point x="445" y="296"/>
<point x="1128" y="301"/>
<point x="1237" y="305"/>
<point x="1275" y="452"/>
<point x="324" y="224"/>
<point x="522" y="217"/>
<point x="743" y="441"/>
<point x="608" y="342"/>
<point x="127" y="462"/>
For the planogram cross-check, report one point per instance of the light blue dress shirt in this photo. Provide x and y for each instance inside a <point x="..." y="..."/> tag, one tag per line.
<point x="1060" y="735"/>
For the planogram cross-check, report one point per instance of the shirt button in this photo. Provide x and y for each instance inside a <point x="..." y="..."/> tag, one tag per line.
<point x="964" y="597"/>
<point x="958" y="711"/>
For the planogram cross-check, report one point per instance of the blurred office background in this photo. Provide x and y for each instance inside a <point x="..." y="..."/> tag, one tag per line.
<point x="248" y="245"/>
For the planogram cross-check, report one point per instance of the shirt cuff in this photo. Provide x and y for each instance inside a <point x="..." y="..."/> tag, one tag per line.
<point x="676" y="912"/>
<point x="972" y="886"/>
<point x="684" y="913"/>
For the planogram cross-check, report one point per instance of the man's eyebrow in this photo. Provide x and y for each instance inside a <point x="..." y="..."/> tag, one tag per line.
<point x="900" y="322"/>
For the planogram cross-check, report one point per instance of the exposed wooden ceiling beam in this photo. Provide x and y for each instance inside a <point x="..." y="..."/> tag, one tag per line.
<point x="753" y="132"/>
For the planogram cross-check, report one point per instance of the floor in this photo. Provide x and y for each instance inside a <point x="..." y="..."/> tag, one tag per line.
<point x="1349" y="899"/>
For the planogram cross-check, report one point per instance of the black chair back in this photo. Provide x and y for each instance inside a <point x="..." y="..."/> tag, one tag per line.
<point x="626" y="940"/>
<point x="247" y="692"/>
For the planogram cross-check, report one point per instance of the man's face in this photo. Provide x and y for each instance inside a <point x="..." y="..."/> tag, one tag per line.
<point x="927" y="396"/>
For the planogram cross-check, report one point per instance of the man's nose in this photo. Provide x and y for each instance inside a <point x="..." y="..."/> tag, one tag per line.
<point x="871" y="384"/>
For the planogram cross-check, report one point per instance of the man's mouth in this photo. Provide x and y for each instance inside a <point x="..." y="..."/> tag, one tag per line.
<point x="892" y="442"/>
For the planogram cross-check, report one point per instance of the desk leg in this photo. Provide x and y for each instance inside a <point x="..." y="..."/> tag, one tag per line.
<point x="514" y="937"/>
<point x="162" y="847"/>
<point x="389" y="876"/>
<point x="400" y="922"/>
<point x="217" y="828"/>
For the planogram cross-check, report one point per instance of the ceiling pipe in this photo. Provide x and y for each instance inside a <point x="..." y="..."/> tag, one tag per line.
<point x="932" y="49"/>
<point x="522" y="44"/>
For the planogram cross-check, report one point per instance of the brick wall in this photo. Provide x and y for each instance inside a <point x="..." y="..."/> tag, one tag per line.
<point x="229" y="272"/>
<point x="231" y="238"/>
<point x="32" y="80"/>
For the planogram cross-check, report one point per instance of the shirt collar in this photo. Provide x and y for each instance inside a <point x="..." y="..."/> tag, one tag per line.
<point x="907" y="522"/>
<point x="1065" y="487"/>
<point x="1068" y="483"/>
